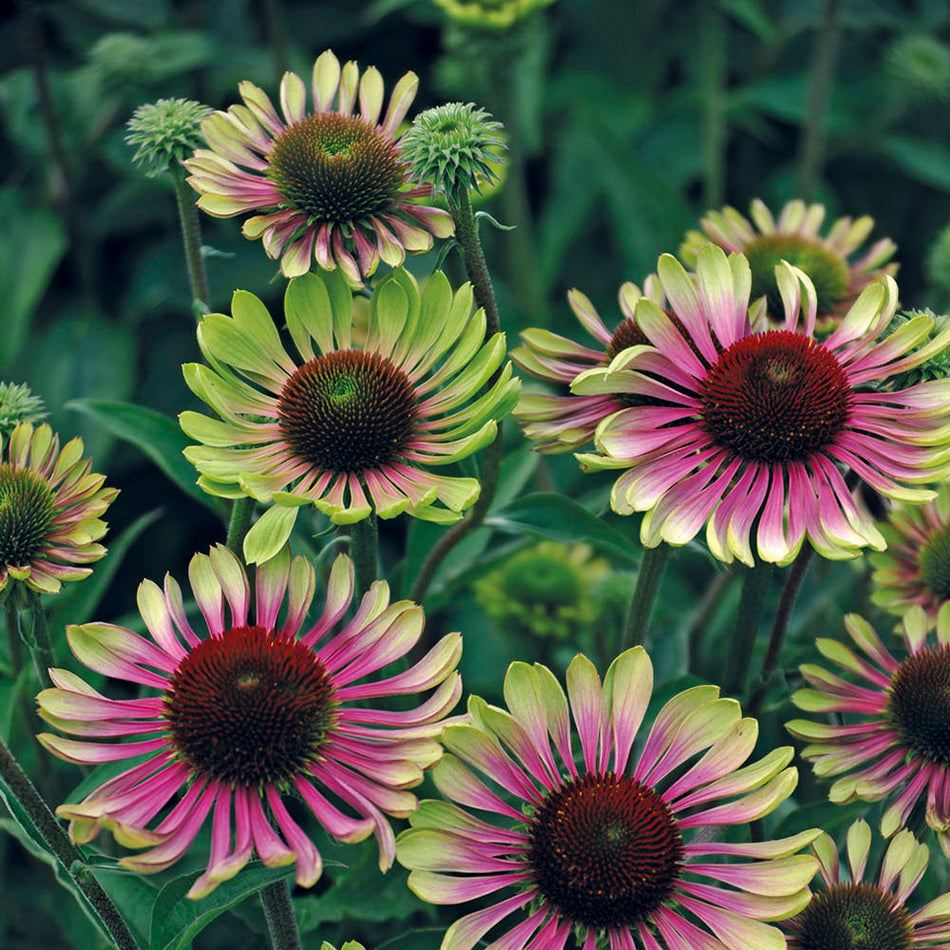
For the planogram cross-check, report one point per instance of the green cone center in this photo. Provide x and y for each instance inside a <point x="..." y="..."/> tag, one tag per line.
<point x="852" y="917"/>
<point x="775" y="397"/>
<point x="348" y="411"/>
<point x="935" y="563"/>
<point x="27" y="509"/>
<point x="827" y="269"/>
<point x="919" y="703"/>
<point x="336" y="168"/>
<point x="249" y="707"/>
<point x="542" y="580"/>
<point x="605" y="850"/>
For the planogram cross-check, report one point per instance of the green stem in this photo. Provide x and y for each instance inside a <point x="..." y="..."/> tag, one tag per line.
<point x="40" y="646"/>
<point x="466" y="233"/>
<point x="13" y="635"/>
<point x="783" y="614"/>
<point x="64" y="850"/>
<point x="712" y="65"/>
<point x="703" y="616"/>
<point x="239" y="523"/>
<point x="735" y="667"/>
<point x="364" y="550"/>
<point x="191" y="237"/>
<point x="652" y="569"/>
<point x="474" y="518"/>
<point x="820" y="81"/>
<point x="279" y="912"/>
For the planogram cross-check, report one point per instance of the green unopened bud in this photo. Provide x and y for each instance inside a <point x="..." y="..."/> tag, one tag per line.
<point x="18" y="404"/>
<point x="490" y="14"/>
<point x="454" y="146"/>
<point x="920" y="65"/>
<point x="937" y="366"/>
<point x="165" y="132"/>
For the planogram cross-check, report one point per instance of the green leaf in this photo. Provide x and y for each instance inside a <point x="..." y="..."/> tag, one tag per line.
<point x="557" y="517"/>
<point x="156" y="435"/>
<point x="428" y="938"/>
<point x="176" y="921"/>
<point x="928" y="162"/>
<point x="76" y="603"/>
<point x="32" y="244"/>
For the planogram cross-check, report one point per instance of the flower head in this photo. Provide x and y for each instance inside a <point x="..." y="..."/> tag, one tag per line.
<point x="896" y="743"/>
<point x="50" y="508"/>
<point x="795" y="238"/>
<point x="249" y="711"/>
<point x="605" y="844"/>
<point x="329" y="185"/>
<point x="349" y="430"/>
<point x="546" y="590"/>
<point x="490" y="14"/>
<point x="920" y="64"/>
<point x="452" y="146"/>
<point x="564" y="422"/>
<point x="165" y="132"/>
<point x="18" y="404"/>
<point x="852" y="913"/>
<point x="747" y="427"/>
<point x="915" y="567"/>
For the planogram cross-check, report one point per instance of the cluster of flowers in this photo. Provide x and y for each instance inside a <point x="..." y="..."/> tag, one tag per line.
<point x="739" y="385"/>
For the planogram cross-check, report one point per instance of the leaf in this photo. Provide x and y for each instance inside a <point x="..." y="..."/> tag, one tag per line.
<point x="428" y="938"/>
<point x="76" y="603"/>
<point x="176" y="921"/>
<point x="32" y="244"/>
<point x="156" y="435"/>
<point x="928" y="162"/>
<point x="132" y="894"/>
<point x="557" y="517"/>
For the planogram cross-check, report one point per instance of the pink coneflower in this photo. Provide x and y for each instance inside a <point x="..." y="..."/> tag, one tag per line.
<point x="619" y="851"/>
<point x="350" y="430"/>
<point x="331" y="183"/>
<point x="251" y="712"/>
<point x="564" y="422"/>
<point x="754" y="428"/>
<point x="895" y="743"/>
<point x="850" y="914"/>
<point x="50" y="508"/>
<point x="829" y="260"/>
<point x="915" y="568"/>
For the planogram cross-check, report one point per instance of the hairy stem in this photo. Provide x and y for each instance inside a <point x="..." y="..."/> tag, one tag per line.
<point x="652" y="569"/>
<point x="735" y="666"/>
<point x="279" y="912"/>
<point x="191" y="237"/>
<point x="57" y="842"/>
<point x="239" y="523"/>
<point x="364" y="550"/>
<point x="466" y="233"/>
<point x="40" y="645"/>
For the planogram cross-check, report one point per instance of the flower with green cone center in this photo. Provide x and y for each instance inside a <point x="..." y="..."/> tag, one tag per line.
<point x="935" y="563"/>
<point x="543" y="580"/>
<point x="336" y="167"/>
<point x="605" y="850"/>
<point x="775" y="396"/>
<point x="853" y="917"/>
<point x="348" y="411"/>
<point x="249" y="707"/>
<point x="919" y="703"/>
<point x="827" y="270"/>
<point x="27" y="509"/>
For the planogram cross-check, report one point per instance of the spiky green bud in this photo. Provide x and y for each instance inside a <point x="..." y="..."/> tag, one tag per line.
<point x="454" y="146"/>
<point x="165" y="132"/>
<point x="937" y="367"/>
<point x="18" y="404"/>
<point x="490" y="14"/>
<point x="920" y="64"/>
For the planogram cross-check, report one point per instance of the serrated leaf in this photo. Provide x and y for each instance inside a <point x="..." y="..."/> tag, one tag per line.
<point x="176" y="921"/>
<point x="156" y="435"/>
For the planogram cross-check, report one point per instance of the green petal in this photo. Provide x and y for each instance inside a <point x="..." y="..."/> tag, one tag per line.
<point x="269" y="534"/>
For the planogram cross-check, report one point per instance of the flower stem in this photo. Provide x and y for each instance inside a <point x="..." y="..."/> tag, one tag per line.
<point x="466" y="233"/>
<point x="279" y="912"/>
<point x="191" y="236"/>
<point x="712" y="67"/>
<point x="652" y="569"/>
<point x="455" y="534"/>
<point x="238" y="525"/>
<point x="40" y="645"/>
<point x="820" y="81"/>
<point x="783" y="614"/>
<point x="364" y="550"/>
<point x="703" y="615"/>
<point x="23" y="790"/>
<point x="735" y="669"/>
<point x="13" y="635"/>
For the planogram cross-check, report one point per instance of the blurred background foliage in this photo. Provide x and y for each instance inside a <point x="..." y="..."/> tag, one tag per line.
<point x="625" y="122"/>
